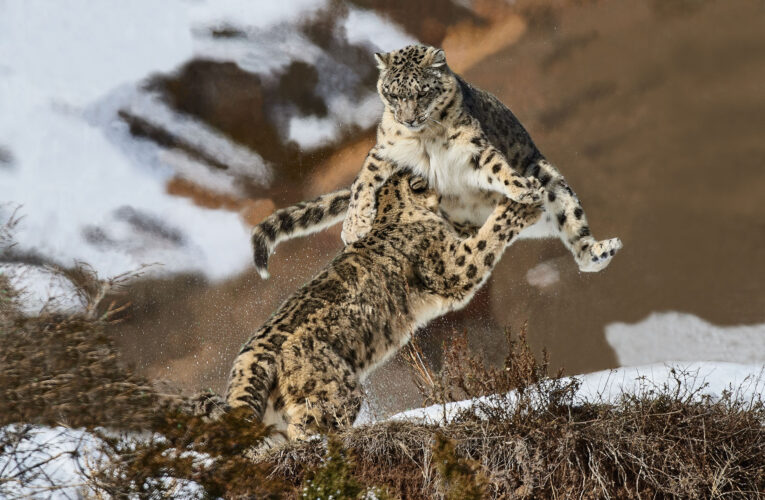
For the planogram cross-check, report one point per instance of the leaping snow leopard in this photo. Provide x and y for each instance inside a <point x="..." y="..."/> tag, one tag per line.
<point x="471" y="149"/>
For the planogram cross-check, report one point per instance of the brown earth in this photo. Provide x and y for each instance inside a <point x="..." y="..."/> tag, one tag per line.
<point x="653" y="110"/>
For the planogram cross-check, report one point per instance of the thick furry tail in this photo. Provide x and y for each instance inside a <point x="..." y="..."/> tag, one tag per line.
<point x="298" y="220"/>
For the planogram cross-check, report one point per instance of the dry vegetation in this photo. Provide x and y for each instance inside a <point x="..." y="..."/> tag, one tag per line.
<point x="64" y="371"/>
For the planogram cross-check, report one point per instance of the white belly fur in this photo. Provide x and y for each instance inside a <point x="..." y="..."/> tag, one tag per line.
<point x="449" y="171"/>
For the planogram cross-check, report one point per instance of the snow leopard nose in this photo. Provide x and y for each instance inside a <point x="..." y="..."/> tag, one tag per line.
<point x="407" y="114"/>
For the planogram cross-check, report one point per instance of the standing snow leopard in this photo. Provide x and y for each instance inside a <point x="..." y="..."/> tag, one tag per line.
<point x="303" y="367"/>
<point x="471" y="149"/>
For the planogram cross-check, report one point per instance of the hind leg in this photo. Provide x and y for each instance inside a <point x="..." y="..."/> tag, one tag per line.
<point x="320" y="393"/>
<point x="566" y="220"/>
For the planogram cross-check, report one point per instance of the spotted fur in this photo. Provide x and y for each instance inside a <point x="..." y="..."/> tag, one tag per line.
<point x="302" y="369"/>
<point x="298" y="220"/>
<point x="471" y="148"/>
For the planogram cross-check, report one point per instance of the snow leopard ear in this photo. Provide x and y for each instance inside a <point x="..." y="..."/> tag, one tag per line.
<point x="438" y="59"/>
<point x="383" y="59"/>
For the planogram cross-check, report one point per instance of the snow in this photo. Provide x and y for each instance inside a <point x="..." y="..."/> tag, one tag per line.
<point x="543" y="275"/>
<point x="63" y="454"/>
<point x="88" y="190"/>
<point x="72" y="52"/>
<point x="259" y="14"/>
<point x="685" y="337"/>
<point x="364" y="26"/>
<point x="310" y="132"/>
<point x="746" y="381"/>
<point x="59" y="460"/>
<point x="41" y="289"/>
<point x="91" y="191"/>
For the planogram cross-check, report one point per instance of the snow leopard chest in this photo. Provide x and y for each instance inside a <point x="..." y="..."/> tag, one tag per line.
<point x="448" y="168"/>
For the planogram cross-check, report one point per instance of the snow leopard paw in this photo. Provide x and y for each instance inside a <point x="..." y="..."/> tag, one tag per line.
<point x="357" y="224"/>
<point x="597" y="256"/>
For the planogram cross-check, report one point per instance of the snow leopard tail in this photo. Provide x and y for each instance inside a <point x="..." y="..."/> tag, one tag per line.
<point x="305" y="218"/>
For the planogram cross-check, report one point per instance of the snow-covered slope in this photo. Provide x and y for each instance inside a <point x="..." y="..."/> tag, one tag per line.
<point x="92" y="191"/>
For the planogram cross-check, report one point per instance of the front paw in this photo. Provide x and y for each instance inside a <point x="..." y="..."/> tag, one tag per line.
<point x="355" y="227"/>
<point x="598" y="255"/>
<point x="527" y="190"/>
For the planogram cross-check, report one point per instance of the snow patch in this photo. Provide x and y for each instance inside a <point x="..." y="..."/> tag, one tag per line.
<point x="54" y="462"/>
<point x="226" y="13"/>
<point x="41" y="289"/>
<point x="310" y="131"/>
<point x="62" y="454"/>
<point x="685" y="337"/>
<point x="745" y="381"/>
<point x="367" y="27"/>
<point x="74" y="51"/>
<point x="543" y="275"/>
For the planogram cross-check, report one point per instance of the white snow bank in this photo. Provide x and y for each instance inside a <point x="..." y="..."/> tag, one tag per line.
<point x="82" y="199"/>
<point x="745" y="381"/>
<point x="685" y="337"/>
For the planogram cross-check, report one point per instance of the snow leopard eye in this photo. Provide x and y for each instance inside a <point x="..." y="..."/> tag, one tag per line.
<point x="418" y="184"/>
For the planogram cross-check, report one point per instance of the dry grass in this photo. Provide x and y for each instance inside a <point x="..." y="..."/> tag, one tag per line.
<point x="667" y="441"/>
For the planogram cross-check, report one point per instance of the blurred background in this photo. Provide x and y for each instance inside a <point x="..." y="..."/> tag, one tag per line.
<point x="160" y="132"/>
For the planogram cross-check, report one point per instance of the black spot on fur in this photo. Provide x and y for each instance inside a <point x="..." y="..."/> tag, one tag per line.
<point x="268" y="230"/>
<point x="286" y="223"/>
<point x="471" y="271"/>
<point x="338" y="205"/>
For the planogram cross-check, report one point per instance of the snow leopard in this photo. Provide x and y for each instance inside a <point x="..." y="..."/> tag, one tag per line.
<point x="469" y="146"/>
<point x="302" y="370"/>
